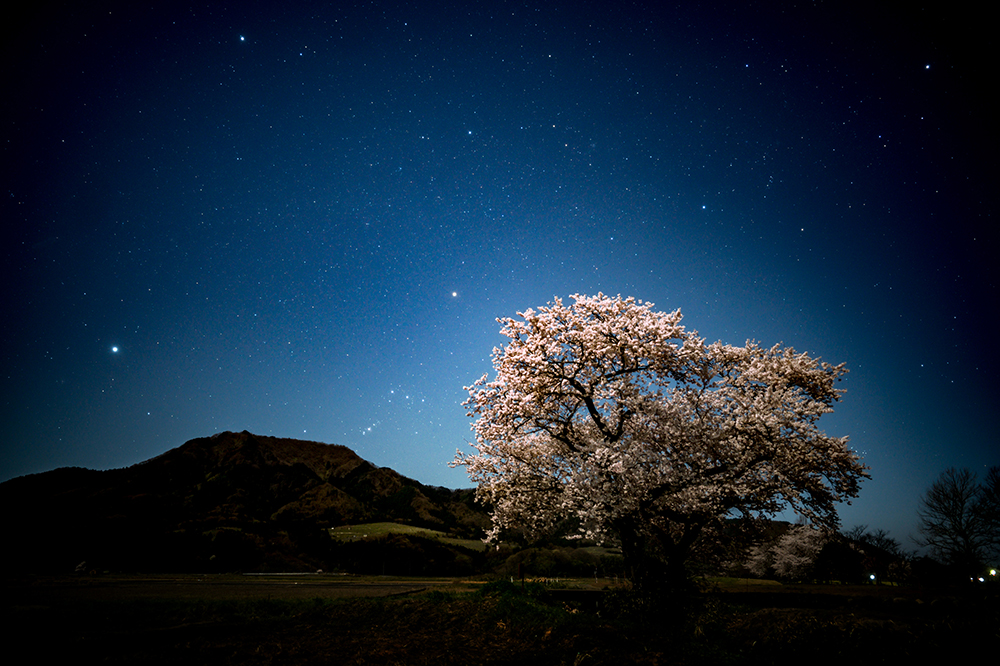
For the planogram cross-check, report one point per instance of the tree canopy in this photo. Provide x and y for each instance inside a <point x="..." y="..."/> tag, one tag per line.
<point x="612" y="413"/>
<point x="959" y="518"/>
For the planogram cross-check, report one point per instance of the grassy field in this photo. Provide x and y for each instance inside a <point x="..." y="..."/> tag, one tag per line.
<point x="375" y="530"/>
<point x="329" y="619"/>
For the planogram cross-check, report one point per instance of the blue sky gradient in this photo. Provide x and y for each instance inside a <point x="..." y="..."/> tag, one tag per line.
<point x="303" y="219"/>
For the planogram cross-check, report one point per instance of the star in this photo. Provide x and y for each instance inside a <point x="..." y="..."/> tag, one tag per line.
<point x="114" y="349"/>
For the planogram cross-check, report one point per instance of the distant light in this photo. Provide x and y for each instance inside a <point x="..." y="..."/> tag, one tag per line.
<point x="242" y="38"/>
<point x="114" y="350"/>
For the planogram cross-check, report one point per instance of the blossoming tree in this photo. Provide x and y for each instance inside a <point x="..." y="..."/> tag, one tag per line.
<point x="613" y="413"/>
<point x="791" y="556"/>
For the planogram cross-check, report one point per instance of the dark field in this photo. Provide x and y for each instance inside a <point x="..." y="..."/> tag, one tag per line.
<point x="329" y="619"/>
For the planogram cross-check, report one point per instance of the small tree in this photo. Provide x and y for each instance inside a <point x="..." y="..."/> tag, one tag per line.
<point x="792" y="556"/>
<point x="883" y="556"/>
<point x="958" y="518"/>
<point x="613" y="413"/>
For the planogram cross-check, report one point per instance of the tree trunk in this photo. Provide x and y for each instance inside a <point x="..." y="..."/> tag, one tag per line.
<point x="640" y="565"/>
<point x="655" y="562"/>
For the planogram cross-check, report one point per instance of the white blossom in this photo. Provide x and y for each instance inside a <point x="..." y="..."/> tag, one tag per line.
<point x="611" y="411"/>
<point x="791" y="556"/>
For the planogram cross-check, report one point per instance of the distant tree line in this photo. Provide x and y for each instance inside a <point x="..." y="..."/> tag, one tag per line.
<point x="959" y="522"/>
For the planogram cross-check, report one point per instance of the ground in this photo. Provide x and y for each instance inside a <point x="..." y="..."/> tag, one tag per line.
<point x="329" y="619"/>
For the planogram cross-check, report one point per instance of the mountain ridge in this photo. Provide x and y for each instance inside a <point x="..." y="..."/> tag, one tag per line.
<point x="231" y="499"/>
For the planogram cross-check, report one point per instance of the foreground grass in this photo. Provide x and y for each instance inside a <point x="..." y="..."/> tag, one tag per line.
<point x="498" y="624"/>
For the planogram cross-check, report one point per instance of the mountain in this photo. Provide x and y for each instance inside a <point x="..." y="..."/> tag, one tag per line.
<point x="233" y="501"/>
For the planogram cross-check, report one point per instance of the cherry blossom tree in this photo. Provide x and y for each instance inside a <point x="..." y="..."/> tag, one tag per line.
<point x="614" y="414"/>
<point x="792" y="556"/>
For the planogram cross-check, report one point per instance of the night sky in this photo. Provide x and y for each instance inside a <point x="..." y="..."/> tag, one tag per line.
<point x="303" y="219"/>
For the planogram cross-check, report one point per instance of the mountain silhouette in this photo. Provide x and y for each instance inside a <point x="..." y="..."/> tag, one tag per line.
<point x="232" y="501"/>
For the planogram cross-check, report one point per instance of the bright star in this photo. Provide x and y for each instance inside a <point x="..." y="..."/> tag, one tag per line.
<point x="114" y="350"/>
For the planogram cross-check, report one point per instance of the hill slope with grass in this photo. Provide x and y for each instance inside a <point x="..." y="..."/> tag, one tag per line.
<point x="233" y="501"/>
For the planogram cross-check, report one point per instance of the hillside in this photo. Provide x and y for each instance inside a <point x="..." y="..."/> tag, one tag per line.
<point x="233" y="501"/>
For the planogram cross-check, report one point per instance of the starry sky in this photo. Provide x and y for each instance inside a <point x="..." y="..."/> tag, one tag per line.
<point x="303" y="219"/>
